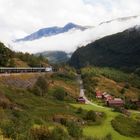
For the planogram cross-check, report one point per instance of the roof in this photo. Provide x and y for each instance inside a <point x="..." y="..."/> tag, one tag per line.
<point x="98" y="94"/>
<point x="107" y="95"/>
<point x="117" y="99"/>
<point x="120" y="101"/>
<point x="81" y="99"/>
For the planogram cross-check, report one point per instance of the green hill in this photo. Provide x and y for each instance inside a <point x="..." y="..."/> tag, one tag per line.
<point x="121" y="50"/>
<point x="9" y="58"/>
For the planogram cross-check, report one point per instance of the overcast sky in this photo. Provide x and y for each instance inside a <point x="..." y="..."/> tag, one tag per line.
<point x="22" y="17"/>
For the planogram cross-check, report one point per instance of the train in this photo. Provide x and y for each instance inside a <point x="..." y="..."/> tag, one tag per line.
<point x="25" y="69"/>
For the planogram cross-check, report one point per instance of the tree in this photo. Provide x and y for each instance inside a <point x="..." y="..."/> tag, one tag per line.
<point x="59" y="93"/>
<point x="37" y="90"/>
<point x="123" y="91"/>
<point x="5" y="55"/>
<point x="41" y="86"/>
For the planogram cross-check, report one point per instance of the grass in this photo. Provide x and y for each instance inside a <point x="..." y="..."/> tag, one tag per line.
<point x="31" y="109"/>
<point x="126" y="126"/>
<point x="105" y="128"/>
<point x="115" y="75"/>
<point x="113" y="81"/>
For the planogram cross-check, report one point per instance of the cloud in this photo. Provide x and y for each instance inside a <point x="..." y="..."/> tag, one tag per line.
<point x="19" y="18"/>
<point x="75" y="38"/>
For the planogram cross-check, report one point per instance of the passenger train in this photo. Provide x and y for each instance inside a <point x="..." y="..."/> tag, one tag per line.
<point x="25" y="69"/>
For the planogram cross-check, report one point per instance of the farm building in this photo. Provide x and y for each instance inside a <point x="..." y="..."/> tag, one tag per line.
<point x="108" y="97"/>
<point x="81" y="100"/>
<point x="103" y="94"/>
<point x="116" y="102"/>
<point x="98" y="95"/>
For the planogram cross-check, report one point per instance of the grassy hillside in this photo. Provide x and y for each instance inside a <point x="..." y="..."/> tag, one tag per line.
<point x="10" y="58"/>
<point x="22" y="109"/>
<point x="111" y="81"/>
<point x="55" y="56"/>
<point x="106" y="128"/>
<point x="25" y="113"/>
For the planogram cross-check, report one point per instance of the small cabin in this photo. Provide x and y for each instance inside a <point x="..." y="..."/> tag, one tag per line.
<point x="81" y="100"/>
<point x="116" y="102"/>
<point x="103" y="95"/>
<point x="98" y="95"/>
<point x="108" y="97"/>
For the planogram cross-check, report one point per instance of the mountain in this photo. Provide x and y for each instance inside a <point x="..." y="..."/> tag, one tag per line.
<point x="56" y="56"/>
<point x="73" y="38"/>
<point x="51" y="31"/>
<point x="121" y="50"/>
<point x="10" y="58"/>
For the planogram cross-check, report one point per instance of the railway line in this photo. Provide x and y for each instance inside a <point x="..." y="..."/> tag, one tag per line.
<point x="4" y="70"/>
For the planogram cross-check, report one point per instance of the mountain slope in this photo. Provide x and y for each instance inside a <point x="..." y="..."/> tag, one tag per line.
<point x="9" y="58"/>
<point x="121" y="50"/>
<point x="55" y="56"/>
<point x="51" y="31"/>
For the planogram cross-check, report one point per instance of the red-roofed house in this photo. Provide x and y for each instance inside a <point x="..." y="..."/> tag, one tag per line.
<point x="116" y="102"/>
<point x="108" y="97"/>
<point x="98" y="95"/>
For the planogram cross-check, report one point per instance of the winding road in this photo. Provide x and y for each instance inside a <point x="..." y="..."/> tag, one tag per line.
<point x="82" y="92"/>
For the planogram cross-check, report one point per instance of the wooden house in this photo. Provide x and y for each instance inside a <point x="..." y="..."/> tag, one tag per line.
<point x="81" y="100"/>
<point x="116" y="102"/>
<point x="98" y="95"/>
<point x="108" y="97"/>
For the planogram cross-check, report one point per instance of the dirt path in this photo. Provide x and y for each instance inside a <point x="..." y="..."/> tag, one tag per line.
<point x="82" y="92"/>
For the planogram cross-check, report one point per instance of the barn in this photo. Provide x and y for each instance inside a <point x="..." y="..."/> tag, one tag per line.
<point x="116" y="102"/>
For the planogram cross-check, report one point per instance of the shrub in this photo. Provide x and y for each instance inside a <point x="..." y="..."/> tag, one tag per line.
<point x="59" y="133"/>
<point x="126" y="126"/>
<point x="80" y="110"/>
<point x="108" y="137"/>
<point x="41" y="86"/>
<point x="41" y="133"/>
<point x="59" y="93"/>
<point x="74" y="129"/>
<point x="123" y="91"/>
<point x="127" y="86"/>
<point x="91" y="115"/>
<point x="37" y="90"/>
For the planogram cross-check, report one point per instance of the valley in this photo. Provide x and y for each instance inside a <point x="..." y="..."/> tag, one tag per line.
<point x="70" y="70"/>
<point x="22" y="105"/>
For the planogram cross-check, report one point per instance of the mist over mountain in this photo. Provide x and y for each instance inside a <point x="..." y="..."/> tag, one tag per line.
<point x="121" y="50"/>
<point x="55" y="56"/>
<point x="51" y="31"/>
<point x="73" y="36"/>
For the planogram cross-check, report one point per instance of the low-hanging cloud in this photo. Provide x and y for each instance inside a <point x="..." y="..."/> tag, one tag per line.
<point x="75" y="38"/>
<point x="19" y="18"/>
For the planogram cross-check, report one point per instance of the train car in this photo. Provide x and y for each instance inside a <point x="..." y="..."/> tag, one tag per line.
<point x="24" y="69"/>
